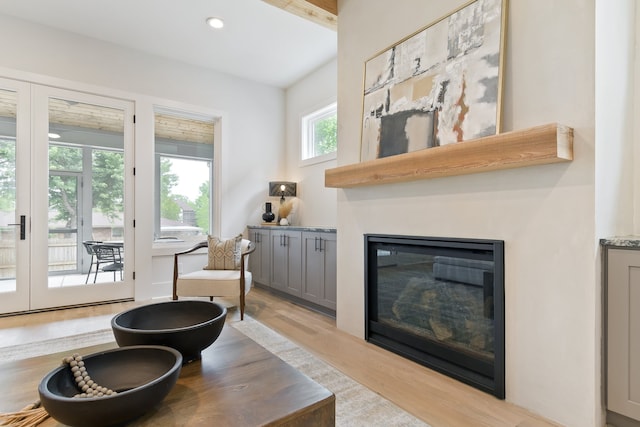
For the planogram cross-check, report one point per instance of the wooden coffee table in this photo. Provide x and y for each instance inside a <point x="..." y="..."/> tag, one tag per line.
<point x="237" y="383"/>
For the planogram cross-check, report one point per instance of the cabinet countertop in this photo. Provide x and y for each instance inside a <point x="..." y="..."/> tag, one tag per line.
<point x="294" y="228"/>
<point x="622" y="242"/>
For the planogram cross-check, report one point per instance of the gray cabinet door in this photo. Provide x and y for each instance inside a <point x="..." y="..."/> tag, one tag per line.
<point x="623" y="332"/>
<point x="330" y="273"/>
<point x="260" y="259"/>
<point x="285" y="261"/>
<point x="319" y="268"/>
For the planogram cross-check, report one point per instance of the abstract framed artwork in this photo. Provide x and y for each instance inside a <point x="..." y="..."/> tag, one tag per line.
<point x="438" y="86"/>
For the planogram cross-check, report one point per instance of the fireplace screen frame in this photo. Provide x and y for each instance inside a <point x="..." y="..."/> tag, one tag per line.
<point x="488" y="377"/>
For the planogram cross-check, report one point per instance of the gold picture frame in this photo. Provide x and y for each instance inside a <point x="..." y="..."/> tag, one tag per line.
<point x="437" y="86"/>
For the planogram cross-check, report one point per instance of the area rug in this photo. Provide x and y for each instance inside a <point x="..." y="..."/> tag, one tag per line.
<point x="55" y="345"/>
<point x="356" y="405"/>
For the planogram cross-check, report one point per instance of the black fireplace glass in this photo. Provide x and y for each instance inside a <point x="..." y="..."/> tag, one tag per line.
<point x="439" y="302"/>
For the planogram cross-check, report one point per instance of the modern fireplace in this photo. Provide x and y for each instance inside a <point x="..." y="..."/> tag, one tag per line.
<point x="439" y="302"/>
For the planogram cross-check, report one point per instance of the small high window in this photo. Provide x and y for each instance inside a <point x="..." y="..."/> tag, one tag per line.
<point x="320" y="134"/>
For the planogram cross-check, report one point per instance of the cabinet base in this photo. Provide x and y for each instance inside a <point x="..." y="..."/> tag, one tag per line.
<point x="618" y="420"/>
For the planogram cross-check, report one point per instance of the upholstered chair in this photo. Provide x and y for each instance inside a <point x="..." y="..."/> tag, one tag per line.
<point x="225" y="275"/>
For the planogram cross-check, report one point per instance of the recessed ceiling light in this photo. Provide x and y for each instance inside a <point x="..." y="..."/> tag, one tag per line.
<point x="214" y="22"/>
<point x="54" y="136"/>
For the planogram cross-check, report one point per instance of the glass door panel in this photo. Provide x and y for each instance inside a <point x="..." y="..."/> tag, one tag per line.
<point x="88" y="142"/>
<point x="63" y="228"/>
<point x="14" y="201"/>
<point x="9" y="233"/>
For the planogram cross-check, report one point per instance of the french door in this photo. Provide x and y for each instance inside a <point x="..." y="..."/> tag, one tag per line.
<point x="15" y="151"/>
<point x="73" y="190"/>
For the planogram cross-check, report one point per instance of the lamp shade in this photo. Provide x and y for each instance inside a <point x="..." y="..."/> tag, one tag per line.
<point x="282" y="189"/>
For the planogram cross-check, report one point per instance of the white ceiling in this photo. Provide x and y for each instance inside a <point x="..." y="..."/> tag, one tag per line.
<point x="259" y="42"/>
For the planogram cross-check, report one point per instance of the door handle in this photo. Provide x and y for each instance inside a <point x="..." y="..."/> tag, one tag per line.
<point x="23" y="227"/>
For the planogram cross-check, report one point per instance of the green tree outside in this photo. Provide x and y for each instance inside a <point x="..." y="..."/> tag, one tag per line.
<point x="108" y="183"/>
<point x="326" y="135"/>
<point x="63" y="189"/>
<point x="202" y="207"/>
<point x="7" y="175"/>
<point x="172" y="204"/>
<point x="169" y="208"/>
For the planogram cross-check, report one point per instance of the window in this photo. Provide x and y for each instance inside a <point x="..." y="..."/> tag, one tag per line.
<point x="320" y="134"/>
<point x="184" y="176"/>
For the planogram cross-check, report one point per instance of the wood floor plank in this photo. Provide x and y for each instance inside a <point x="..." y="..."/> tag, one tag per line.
<point x="426" y="394"/>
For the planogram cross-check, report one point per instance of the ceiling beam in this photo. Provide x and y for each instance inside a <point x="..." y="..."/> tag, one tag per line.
<point x="330" y="6"/>
<point x="323" y="12"/>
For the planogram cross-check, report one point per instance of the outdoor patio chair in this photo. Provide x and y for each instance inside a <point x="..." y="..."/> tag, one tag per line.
<point x="88" y="246"/>
<point x="108" y="258"/>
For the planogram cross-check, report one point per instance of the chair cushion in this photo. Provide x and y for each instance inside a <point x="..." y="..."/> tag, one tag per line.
<point x="224" y="254"/>
<point x="212" y="283"/>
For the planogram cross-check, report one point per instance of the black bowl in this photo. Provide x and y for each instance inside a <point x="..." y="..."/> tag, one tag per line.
<point x="189" y="326"/>
<point x="142" y="376"/>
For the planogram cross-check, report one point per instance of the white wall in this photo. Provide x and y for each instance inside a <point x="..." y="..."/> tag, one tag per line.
<point x="316" y="204"/>
<point x="615" y="118"/>
<point x="545" y="214"/>
<point x="636" y="108"/>
<point x="617" y="129"/>
<point x="253" y="117"/>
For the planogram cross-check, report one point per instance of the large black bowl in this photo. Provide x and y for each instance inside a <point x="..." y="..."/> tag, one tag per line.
<point x="142" y="376"/>
<point x="189" y="326"/>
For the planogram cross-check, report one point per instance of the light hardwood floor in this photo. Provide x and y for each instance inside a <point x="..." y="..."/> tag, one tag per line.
<point x="432" y="397"/>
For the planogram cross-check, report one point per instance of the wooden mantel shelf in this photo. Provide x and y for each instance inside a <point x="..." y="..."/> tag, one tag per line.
<point x="551" y="143"/>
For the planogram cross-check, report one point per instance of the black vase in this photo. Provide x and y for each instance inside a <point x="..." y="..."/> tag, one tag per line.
<point x="268" y="216"/>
